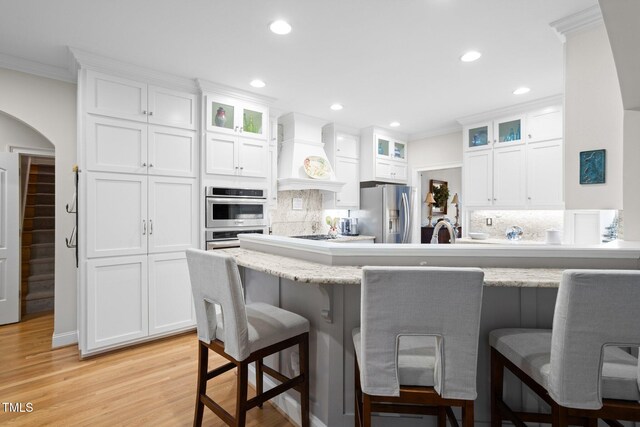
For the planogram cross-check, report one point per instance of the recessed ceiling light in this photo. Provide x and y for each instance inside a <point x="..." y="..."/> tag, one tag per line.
<point x="257" y="83"/>
<point x="336" y="107"/>
<point x="521" y="91"/>
<point x="394" y="124"/>
<point x="470" y="56"/>
<point x="280" y="27"/>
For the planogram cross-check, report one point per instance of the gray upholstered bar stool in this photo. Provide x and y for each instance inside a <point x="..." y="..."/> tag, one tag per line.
<point x="577" y="368"/>
<point x="242" y="334"/>
<point x="417" y="346"/>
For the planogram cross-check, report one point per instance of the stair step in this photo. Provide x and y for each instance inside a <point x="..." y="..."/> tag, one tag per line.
<point x="39" y="223"/>
<point x="41" y="188"/>
<point x="44" y="169"/>
<point x="39" y="305"/>
<point x="41" y="250"/>
<point x="42" y="236"/>
<point x="39" y="199"/>
<point x="41" y="266"/>
<point x="39" y="295"/>
<point x="41" y="277"/>
<point x="42" y="177"/>
<point x="32" y="210"/>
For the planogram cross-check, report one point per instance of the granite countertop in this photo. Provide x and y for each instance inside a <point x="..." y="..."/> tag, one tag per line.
<point x="347" y="239"/>
<point x="310" y="272"/>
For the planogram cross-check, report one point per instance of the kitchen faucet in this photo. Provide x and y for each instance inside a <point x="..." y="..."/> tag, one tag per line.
<point x="436" y="230"/>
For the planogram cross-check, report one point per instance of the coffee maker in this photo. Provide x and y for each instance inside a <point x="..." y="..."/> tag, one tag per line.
<point x="349" y="226"/>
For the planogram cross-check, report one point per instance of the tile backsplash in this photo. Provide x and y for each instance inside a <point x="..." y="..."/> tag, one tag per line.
<point x="533" y="222"/>
<point x="285" y="221"/>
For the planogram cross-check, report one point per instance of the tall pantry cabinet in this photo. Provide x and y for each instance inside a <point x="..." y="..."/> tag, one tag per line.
<point x="138" y="210"/>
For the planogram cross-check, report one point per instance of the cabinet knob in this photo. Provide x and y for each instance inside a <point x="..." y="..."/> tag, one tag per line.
<point x="236" y="129"/>
<point x="337" y="149"/>
<point x="488" y="200"/>
<point x="151" y="113"/>
<point x="144" y="112"/>
<point x="237" y="167"/>
<point x="529" y="198"/>
<point x="529" y="136"/>
<point x="494" y="199"/>
<point x="241" y="167"/>
<point x="144" y="165"/>
<point x="150" y="165"/>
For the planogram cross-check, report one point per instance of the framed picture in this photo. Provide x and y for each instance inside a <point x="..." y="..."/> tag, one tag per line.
<point x="440" y="191"/>
<point x="592" y="167"/>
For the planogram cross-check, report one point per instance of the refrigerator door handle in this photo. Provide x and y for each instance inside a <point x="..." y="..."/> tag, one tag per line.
<point x="407" y="218"/>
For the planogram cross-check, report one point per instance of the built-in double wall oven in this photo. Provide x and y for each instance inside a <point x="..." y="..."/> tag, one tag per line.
<point x="233" y="211"/>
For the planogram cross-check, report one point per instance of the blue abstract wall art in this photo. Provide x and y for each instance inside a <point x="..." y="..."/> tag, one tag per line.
<point x="592" y="167"/>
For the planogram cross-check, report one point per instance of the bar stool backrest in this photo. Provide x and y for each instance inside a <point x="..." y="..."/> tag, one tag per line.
<point x="442" y="302"/>
<point x="595" y="308"/>
<point x="215" y="280"/>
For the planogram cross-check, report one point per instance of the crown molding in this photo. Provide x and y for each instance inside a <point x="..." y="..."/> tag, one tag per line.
<point x="386" y="132"/>
<point x="514" y="109"/>
<point x="220" y="89"/>
<point x="88" y="60"/>
<point x="36" y="68"/>
<point x="579" y="21"/>
<point x="435" y="132"/>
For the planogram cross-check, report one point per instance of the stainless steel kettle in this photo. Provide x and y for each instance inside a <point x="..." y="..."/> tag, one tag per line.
<point x="349" y="226"/>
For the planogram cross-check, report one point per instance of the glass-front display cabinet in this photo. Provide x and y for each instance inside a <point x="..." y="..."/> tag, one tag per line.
<point x="478" y="137"/>
<point x="509" y="131"/>
<point x="389" y="148"/>
<point x="227" y="115"/>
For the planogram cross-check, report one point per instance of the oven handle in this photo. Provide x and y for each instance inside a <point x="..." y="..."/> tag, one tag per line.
<point x="237" y="201"/>
<point x="233" y="243"/>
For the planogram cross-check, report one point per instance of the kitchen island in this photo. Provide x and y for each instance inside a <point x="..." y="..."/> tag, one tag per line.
<point x="520" y="291"/>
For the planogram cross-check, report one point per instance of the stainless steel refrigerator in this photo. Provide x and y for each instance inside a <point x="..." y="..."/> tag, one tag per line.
<point x="385" y="212"/>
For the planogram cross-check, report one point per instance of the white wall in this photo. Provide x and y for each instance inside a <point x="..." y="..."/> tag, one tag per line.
<point x="49" y="107"/>
<point x="15" y="133"/>
<point x="439" y="150"/>
<point x="631" y="175"/>
<point x="593" y="118"/>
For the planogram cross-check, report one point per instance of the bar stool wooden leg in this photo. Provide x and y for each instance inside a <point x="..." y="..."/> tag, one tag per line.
<point x="442" y="416"/>
<point x="241" y="399"/>
<point x="259" y="378"/>
<point x="303" y="349"/>
<point x="467" y="414"/>
<point x="203" y="366"/>
<point x="559" y="416"/>
<point x="366" y="410"/>
<point x="497" y="378"/>
<point x="357" y="407"/>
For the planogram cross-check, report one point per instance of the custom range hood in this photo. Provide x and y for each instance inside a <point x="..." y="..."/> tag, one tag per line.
<point x="302" y="139"/>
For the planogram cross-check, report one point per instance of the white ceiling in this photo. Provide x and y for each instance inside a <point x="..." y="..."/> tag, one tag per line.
<point x="384" y="60"/>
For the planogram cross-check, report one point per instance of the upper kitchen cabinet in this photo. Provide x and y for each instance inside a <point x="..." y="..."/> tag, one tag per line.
<point x="544" y="124"/>
<point x="114" y="145"/>
<point x="230" y="116"/>
<point x="508" y="131"/>
<point x="134" y="100"/>
<point x="342" y="146"/>
<point x="237" y="156"/>
<point x="478" y="136"/>
<point x="383" y="157"/>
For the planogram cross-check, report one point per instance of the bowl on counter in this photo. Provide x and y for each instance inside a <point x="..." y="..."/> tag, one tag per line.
<point x="479" y="236"/>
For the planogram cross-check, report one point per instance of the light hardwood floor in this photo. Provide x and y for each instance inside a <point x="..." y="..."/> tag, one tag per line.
<point x="150" y="384"/>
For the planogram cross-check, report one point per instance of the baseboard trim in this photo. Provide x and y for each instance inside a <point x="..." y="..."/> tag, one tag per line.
<point x="64" y="339"/>
<point x="284" y="403"/>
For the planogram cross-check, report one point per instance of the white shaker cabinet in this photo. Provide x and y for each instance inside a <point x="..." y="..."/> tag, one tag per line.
<point x="232" y="155"/>
<point x="544" y="124"/>
<point x="544" y="174"/>
<point x="172" y="213"/>
<point x="170" y="298"/>
<point x="382" y="157"/>
<point x="123" y="146"/>
<point x="348" y="171"/>
<point x="231" y="116"/>
<point x="116" y="213"/>
<point x="342" y="147"/>
<point x="478" y="178"/>
<point x="116" y="295"/>
<point x="134" y="100"/>
<point x="509" y="180"/>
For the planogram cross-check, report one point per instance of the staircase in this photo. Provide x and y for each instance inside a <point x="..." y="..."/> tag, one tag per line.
<point x="38" y="238"/>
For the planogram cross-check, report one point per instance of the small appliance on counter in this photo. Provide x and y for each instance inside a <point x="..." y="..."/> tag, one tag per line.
<point x="349" y="226"/>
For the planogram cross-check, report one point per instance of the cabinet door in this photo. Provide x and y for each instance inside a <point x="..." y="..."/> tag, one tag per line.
<point x="172" y="151"/>
<point x="172" y="108"/>
<point x="222" y="115"/>
<point x="478" y="136"/>
<point x="117" y="300"/>
<point x="399" y="152"/>
<point x="347" y="145"/>
<point x="221" y="155"/>
<point x="399" y="171"/>
<point x="116" y="97"/>
<point x="116" y="215"/>
<point x="509" y="131"/>
<point x="348" y="171"/>
<point x="544" y="174"/>
<point x="384" y="146"/>
<point x="273" y="174"/>
<point x="253" y="122"/>
<point x="545" y="125"/>
<point x="478" y="176"/>
<point x="115" y="145"/>
<point x="509" y="176"/>
<point x="170" y="300"/>
<point x="383" y="169"/>
<point x="252" y="157"/>
<point x="173" y="214"/>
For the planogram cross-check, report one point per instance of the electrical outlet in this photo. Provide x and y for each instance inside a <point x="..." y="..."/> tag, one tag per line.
<point x="489" y="221"/>
<point x="297" y="204"/>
